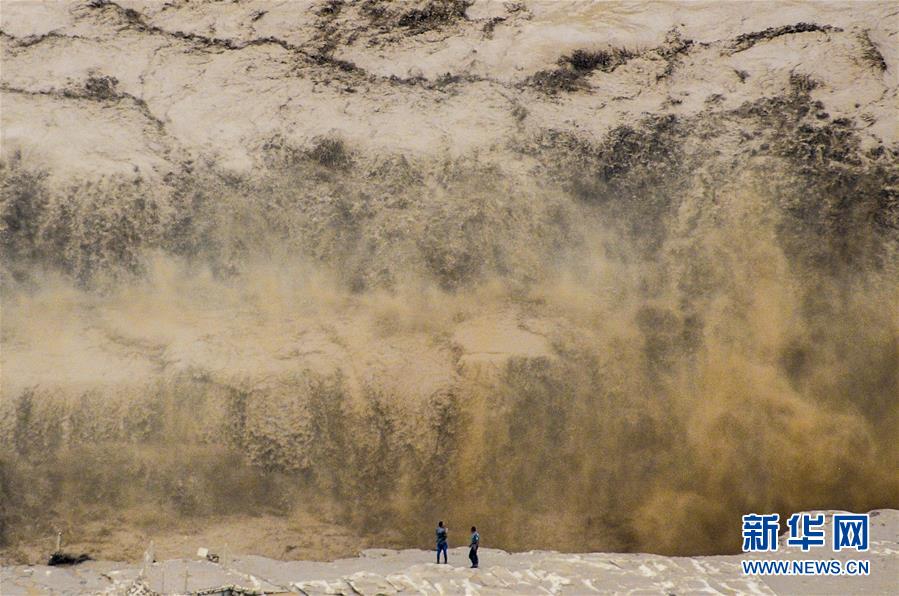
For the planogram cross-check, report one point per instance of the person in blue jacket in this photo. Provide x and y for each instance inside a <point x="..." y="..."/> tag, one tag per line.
<point x="441" y="541"/>
<point x="473" y="547"/>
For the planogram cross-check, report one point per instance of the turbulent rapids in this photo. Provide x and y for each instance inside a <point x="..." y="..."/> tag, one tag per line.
<point x="554" y="295"/>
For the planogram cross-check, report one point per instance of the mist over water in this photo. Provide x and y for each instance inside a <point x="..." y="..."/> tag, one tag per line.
<point x="621" y="346"/>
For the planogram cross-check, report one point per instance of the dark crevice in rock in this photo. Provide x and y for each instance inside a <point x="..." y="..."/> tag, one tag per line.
<point x="490" y="25"/>
<point x="433" y="15"/>
<point x="136" y="21"/>
<point x="671" y="51"/>
<point x="33" y="40"/>
<point x="60" y="558"/>
<point x="870" y="52"/>
<point x="322" y="56"/>
<point x="747" y="40"/>
<point x="443" y="82"/>
<point x="577" y="66"/>
<point x="97" y="89"/>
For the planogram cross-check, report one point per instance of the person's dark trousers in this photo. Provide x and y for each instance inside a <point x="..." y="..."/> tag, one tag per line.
<point x="473" y="556"/>
<point x="441" y="547"/>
